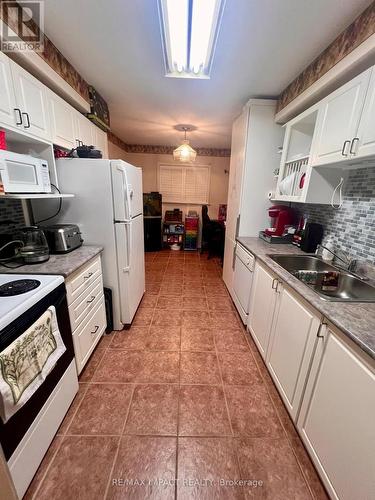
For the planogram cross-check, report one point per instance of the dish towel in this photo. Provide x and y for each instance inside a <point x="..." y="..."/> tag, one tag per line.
<point x="26" y="362"/>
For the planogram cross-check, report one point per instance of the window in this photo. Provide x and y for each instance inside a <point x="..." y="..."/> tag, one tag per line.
<point x="184" y="184"/>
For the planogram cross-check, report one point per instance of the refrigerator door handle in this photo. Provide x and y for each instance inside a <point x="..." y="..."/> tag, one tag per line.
<point x="128" y="230"/>
<point x="125" y="191"/>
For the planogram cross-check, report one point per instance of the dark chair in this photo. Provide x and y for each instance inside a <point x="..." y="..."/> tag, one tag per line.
<point x="213" y="235"/>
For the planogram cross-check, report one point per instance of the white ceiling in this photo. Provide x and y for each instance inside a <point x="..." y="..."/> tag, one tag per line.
<point x="262" y="46"/>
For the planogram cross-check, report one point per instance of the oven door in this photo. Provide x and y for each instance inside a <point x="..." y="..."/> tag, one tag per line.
<point x="20" y="173"/>
<point x="12" y="432"/>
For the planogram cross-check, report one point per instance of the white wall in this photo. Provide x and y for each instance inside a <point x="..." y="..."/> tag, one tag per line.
<point x="149" y="164"/>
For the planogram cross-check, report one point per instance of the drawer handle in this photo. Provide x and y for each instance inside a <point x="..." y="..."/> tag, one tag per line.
<point x="96" y="329"/>
<point x="91" y="300"/>
<point x="88" y="276"/>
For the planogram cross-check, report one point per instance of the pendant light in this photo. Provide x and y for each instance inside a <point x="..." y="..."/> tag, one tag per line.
<point x="185" y="153"/>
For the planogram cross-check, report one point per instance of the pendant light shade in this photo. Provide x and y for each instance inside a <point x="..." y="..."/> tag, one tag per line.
<point x="185" y="153"/>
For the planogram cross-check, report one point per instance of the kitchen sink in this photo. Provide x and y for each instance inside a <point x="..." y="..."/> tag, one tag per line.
<point x="294" y="263"/>
<point x="349" y="288"/>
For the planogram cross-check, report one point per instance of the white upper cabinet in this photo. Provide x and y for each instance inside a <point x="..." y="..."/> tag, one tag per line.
<point x="336" y="420"/>
<point x="338" y="120"/>
<point x="237" y="163"/>
<point x="63" y="118"/>
<point x="100" y="141"/>
<point x="31" y="99"/>
<point x="9" y="115"/>
<point x="84" y="130"/>
<point x="364" y="142"/>
<point x="292" y="342"/>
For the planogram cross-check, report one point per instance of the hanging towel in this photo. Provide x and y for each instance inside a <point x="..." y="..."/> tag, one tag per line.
<point x="27" y="361"/>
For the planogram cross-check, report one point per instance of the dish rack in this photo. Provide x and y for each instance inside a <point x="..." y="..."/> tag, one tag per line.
<point x="292" y="173"/>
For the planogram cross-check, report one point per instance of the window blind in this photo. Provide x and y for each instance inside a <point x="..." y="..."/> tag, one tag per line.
<point x="184" y="184"/>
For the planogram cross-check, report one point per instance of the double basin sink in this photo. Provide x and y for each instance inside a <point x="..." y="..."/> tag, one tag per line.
<point x="311" y="269"/>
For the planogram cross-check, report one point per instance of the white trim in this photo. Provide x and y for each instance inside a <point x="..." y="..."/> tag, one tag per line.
<point x="361" y="58"/>
<point x="33" y="63"/>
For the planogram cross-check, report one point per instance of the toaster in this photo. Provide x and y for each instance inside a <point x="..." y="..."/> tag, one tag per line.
<point x="63" y="238"/>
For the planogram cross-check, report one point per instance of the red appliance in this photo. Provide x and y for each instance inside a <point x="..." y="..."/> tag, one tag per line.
<point x="281" y="216"/>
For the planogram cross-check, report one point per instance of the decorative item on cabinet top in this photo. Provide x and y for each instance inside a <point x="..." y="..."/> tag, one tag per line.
<point x="99" y="113"/>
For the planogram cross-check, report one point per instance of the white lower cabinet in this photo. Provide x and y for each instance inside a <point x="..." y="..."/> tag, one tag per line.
<point x="291" y="347"/>
<point x="336" y="420"/>
<point x="86" y="309"/>
<point x="326" y="382"/>
<point x="262" y="306"/>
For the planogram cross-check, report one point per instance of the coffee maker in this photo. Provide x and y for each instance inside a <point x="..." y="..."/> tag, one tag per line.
<point x="281" y="217"/>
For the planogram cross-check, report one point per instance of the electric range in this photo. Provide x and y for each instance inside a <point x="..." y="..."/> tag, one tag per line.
<point x="19" y="292"/>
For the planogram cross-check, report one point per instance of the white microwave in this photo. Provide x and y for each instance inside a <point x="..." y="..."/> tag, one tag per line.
<point x="23" y="173"/>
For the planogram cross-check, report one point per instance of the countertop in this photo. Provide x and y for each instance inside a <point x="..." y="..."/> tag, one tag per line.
<point x="356" y="320"/>
<point x="63" y="264"/>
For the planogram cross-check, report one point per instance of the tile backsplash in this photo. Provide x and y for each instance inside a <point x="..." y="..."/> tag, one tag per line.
<point x="11" y="215"/>
<point x="353" y="225"/>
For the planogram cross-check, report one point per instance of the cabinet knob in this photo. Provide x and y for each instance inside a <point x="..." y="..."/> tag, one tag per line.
<point x="91" y="300"/>
<point x="95" y="330"/>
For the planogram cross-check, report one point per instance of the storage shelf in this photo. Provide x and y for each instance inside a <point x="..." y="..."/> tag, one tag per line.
<point x="35" y="196"/>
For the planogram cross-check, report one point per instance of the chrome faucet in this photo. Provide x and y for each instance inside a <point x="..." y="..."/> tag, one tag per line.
<point x="350" y="264"/>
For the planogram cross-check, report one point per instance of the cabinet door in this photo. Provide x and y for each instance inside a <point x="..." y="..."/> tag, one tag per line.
<point x="31" y="98"/>
<point x="228" y="264"/>
<point x="62" y="117"/>
<point x="338" y="120"/>
<point x="84" y="131"/>
<point x="237" y="161"/>
<point x="8" y="114"/>
<point x="366" y="131"/>
<point x="262" y="306"/>
<point x="336" y="421"/>
<point x="100" y="141"/>
<point x="292" y="343"/>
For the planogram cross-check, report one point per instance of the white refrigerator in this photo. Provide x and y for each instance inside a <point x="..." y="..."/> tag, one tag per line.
<point x="108" y="208"/>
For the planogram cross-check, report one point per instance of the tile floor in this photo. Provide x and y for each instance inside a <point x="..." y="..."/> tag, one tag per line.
<point x="183" y="394"/>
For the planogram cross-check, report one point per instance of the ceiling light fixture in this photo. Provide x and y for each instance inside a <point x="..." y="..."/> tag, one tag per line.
<point x="184" y="153"/>
<point x="189" y="33"/>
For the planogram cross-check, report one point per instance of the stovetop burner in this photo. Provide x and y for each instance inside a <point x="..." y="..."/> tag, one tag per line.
<point x="17" y="287"/>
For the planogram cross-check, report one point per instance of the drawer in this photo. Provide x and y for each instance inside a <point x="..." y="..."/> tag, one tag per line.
<point x="246" y="257"/>
<point x="79" y="281"/>
<point x="88" y="334"/>
<point x="85" y="303"/>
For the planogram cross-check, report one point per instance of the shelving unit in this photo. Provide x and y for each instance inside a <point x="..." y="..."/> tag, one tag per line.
<point x="173" y="232"/>
<point x="191" y="232"/>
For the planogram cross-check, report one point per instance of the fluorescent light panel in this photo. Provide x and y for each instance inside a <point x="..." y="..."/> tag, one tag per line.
<point x="189" y="29"/>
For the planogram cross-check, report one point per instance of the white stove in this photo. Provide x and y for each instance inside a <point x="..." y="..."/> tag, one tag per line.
<point x="14" y="302"/>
